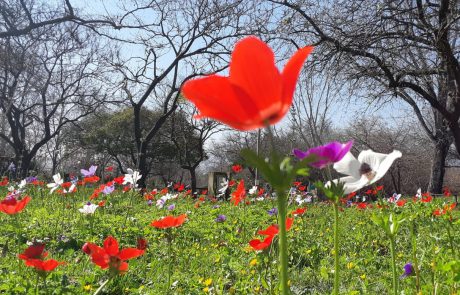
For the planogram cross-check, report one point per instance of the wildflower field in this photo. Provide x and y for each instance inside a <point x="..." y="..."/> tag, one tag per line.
<point x="210" y="252"/>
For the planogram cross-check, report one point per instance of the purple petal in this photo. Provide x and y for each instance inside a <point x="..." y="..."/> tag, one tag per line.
<point x="327" y="154"/>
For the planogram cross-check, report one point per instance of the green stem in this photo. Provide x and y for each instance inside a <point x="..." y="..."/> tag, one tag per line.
<point x="414" y="255"/>
<point x="451" y="241"/>
<point x="393" y="264"/>
<point x="170" y="238"/>
<point x="102" y="286"/>
<point x="36" y="284"/>
<point x="282" y="212"/>
<point x="336" y="249"/>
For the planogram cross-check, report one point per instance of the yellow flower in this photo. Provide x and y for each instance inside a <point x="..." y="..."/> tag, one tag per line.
<point x="217" y="259"/>
<point x="350" y="265"/>
<point x="363" y="276"/>
<point x="87" y="288"/>
<point x="206" y="290"/>
<point x="253" y="262"/>
<point x="308" y="251"/>
<point x="208" y="282"/>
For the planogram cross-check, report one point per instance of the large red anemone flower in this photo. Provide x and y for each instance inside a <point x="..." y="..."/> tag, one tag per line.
<point x="169" y="221"/>
<point x="110" y="256"/>
<point x="13" y="206"/>
<point x="255" y="93"/>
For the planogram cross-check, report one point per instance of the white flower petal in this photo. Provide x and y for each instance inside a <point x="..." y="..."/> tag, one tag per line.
<point x="385" y="164"/>
<point x="348" y="166"/>
<point x="372" y="158"/>
<point x="352" y="184"/>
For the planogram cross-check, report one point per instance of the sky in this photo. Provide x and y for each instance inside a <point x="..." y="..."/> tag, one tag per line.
<point x="342" y="113"/>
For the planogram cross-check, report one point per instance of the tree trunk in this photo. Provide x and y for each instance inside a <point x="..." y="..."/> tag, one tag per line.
<point x="193" y="179"/>
<point x="437" y="165"/>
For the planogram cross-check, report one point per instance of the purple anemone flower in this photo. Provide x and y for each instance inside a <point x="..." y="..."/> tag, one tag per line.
<point x="149" y="202"/>
<point x="108" y="189"/>
<point x="171" y="207"/>
<point x="273" y="211"/>
<point x="31" y="179"/>
<point x="220" y="218"/>
<point x="327" y="154"/>
<point x="408" y="270"/>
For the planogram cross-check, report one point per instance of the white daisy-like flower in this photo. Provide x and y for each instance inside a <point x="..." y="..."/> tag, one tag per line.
<point x="132" y="177"/>
<point x="367" y="169"/>
<point x="223" y="186"/>
<point x="253" y="190"/>
<point x="88" y="209"/>
<point x="58" y="181"/>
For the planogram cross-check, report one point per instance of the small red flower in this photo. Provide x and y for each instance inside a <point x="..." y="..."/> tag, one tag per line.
<point x="362" y="205"/>
<point x="204" y="192"/>
<point x="260" y="192"/>
<point x="237" y="168"/>
<point x="34" y="256"/>
<point x="302" y="188"/>
<point x="91" y="179"/>
<point x="43" y="265"/>
<point x="239" y="194"/>
<point x="297" y="183"/>
<point x="426" y="198"/>
<point x="4" y="181"/>
<point x="169" y="221"/>
<point x="142" y="244"/>
<point x="401" y="203"/>
<point x="446" y="192"/>
<point x="299" y="211"/>
<point x="369" y="192"/>
<point x="109" y="169"/>
<point x="119" y="180"/>
<point x="110" y="256"/>
<point x="259" y="245"/>
<point x="35" y="251"/>
<point x="231" y="183"/>
<point x="255" y="93"/>
<point x="101" y="203"/>
<point x="12" y="206"/>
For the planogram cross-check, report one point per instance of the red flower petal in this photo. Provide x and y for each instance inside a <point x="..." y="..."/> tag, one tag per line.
<point x="111" y="246"/>
<point x="130" y="253"/>
<point x="216" y="98"/>
<point x="256" y="244"/>
<point x="253" y="69"/>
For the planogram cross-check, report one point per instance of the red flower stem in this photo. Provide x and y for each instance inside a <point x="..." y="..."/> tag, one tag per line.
<point x="283" y="246"/>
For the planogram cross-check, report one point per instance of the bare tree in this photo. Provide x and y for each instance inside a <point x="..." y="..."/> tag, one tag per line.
<point x="189" y="137"/>
<point x="48" y="79"/>
<point x="20" y="17"/>
<point x="186" y="39"/>
<point x="407" y="49"/>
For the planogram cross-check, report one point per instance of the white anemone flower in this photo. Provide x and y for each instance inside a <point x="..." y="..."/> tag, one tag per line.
<point x="88" y="209"/>
<point x="223" y="186"/>
<point x="58" y="181"/>
<point x="367" y="169"/>
<point x="132" y="177"/>
<point x="253" y="190"/>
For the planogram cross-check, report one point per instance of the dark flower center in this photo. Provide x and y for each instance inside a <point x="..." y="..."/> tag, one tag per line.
<point x="365" y="168"/>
